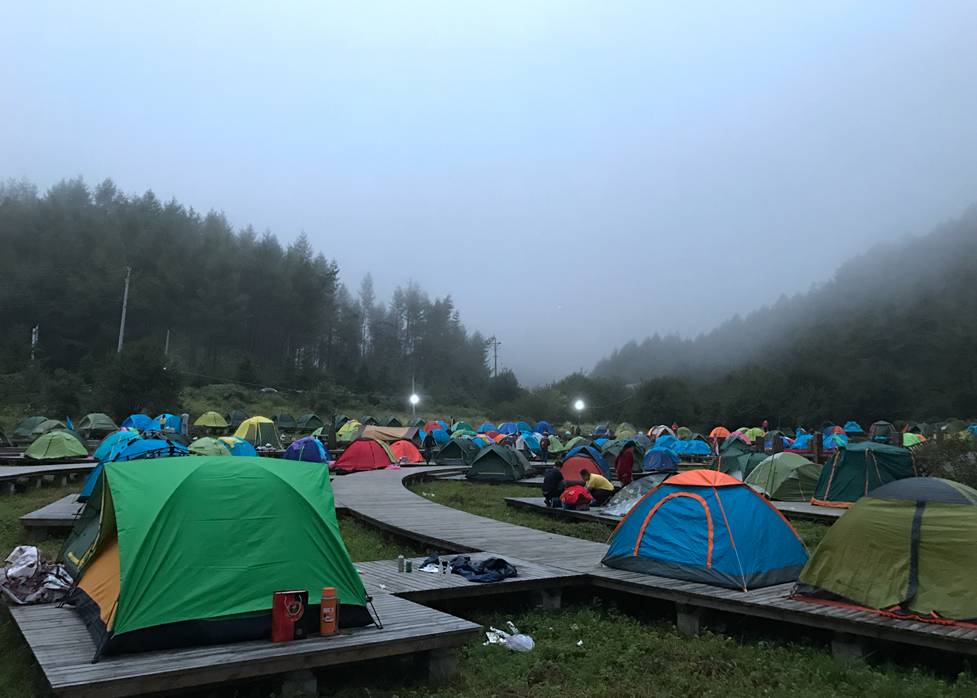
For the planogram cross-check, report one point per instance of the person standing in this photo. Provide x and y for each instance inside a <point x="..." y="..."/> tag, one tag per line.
<point x="428" y="445"/>
<point x="625" y="466"/>
<point x="544" y="447"/>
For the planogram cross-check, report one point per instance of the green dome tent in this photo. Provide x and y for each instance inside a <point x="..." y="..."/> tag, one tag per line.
<point x="309" y="422"/>
<point x="157" y="565"/>
<point x="96" y="423"/>
<point x="736" y="456"/>
<point x="24" y="431"/>
<point x="683" y="433"/>
<point x="349" y="431"/>
<point x="556" y="447"/>
<point x="211" y="420"/>
<point x="462" y="426"/>
<point x="496" y="463"/>
<point x="392" y="422"/>
<point x="858" y="468"/>
<point x="369" y="420"/>
<point x="907" y="544"/>
<point x="458" y="451"/>
<point x="259" y="431"/>
<point x="339" y="421"/>
<point x="787" y="477"/>
<point x="209" y="446"/>
<point x="284" y="422"/>
<point x="46" y="426"/>
<point x="235" y="418"/>
<point x="56" y="445"/>
<point x="625" y="431"/>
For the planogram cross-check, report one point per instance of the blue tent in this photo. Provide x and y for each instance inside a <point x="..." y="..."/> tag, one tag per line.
<point x="441" y="436"/>
<point x="601" y="441"/>
<point x="308" y="449"/>
<point x="507" y="428"/>
<point x="165" y="422"/>
<point x="594" y="454"/>
<point x="544" y="427"/>
<point x="804" y="442"/>
<point x="137" y="421"/>
<point x="523" y="427"/>
<point x="238" y="446"/>
<point x="134" y="450"/>
<point x="692" y="447"/>
<point x="972" y="429"/>
<point x="486" y="427"/>
<point x="705" y="526"/>
<point x="123" y="436"/>
<point x="532" y="443"/>
<point x="668" y="441"/>
<point x="852" y="427"/>
<point x="601" y="430"/>
<point x="660" y="459"/>
<point x="482" y="443"/>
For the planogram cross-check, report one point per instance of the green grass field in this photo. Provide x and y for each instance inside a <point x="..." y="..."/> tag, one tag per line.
<point x="619" y="656"/>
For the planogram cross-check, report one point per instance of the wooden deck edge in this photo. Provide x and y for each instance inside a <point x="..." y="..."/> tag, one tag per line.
<point x="795" y="616"/>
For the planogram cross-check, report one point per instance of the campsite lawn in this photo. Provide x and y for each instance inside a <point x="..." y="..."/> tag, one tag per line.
<point x="622" y="656"/>
<point x="487" y="499"/>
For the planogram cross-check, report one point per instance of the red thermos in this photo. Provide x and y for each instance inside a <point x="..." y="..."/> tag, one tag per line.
<point x="287" y="609"/>
<point x="327" y="611"/>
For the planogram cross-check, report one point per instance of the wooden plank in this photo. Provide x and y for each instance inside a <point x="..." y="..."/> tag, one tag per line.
<point x="64" y="650"/>
<point x="59" y="514"/>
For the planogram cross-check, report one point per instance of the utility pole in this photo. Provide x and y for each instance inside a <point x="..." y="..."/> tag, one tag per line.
<point x="35" y="333"/>
<point x="494" y="343"/>
<point x="166" y="346"/>
<point x="125" y="303"/>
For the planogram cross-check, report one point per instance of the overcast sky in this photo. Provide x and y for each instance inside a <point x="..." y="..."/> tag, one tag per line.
<point x="574" y="174"/>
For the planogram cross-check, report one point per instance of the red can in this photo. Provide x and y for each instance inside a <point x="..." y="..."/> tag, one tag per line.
<point x="287" y="609"/>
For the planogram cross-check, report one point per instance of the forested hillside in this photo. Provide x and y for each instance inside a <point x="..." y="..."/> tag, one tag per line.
<point x="893" y="334"/>
<point x="238" y="305"/>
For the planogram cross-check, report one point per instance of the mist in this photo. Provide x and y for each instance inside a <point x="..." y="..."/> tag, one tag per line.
<point x="574" y="175"/>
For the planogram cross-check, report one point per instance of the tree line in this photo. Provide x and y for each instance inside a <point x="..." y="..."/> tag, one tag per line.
<point x="222" y="304"/>
<point x="890" y="336"/>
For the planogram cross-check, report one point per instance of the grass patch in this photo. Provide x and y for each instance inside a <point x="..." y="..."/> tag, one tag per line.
<point x="486" y="499"/>
<point x="366" y="543"/>
<point x="621" y="656"/>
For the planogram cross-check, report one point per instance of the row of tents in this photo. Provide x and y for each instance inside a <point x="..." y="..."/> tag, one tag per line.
<point x="905" y="548"/>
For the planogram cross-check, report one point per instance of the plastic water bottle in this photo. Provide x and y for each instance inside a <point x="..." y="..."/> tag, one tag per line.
<point x="400" y="563"/>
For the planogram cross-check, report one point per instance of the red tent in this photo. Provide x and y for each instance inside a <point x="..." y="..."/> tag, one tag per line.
<point x="574" y="464"/>
<point x="432" y="426"/>
<point x="405" y="449"/>
<point x="363" y="454"/>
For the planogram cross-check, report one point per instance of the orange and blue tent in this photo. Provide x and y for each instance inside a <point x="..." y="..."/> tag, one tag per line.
<point x="705" y="526"/>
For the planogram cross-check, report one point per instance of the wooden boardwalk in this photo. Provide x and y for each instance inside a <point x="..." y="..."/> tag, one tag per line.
<point x="64" y="649"/>
<point x="32" y="475"/>
<point x="57" y="516"/>
<point x="792" y="510"/>
<point x="380" y="498"/>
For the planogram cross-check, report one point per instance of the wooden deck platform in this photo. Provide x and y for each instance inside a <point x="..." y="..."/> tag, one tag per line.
<point x="64" y="649"/>
<point x="792" y="510"/>
<point x="57" y="516"/>
<point x="382" y="577"/>
<point x="32" y="476"/>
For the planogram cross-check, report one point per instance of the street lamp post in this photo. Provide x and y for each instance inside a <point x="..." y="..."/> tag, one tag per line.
<point x="579" y="405"/>
<point x="413" y="399"/>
